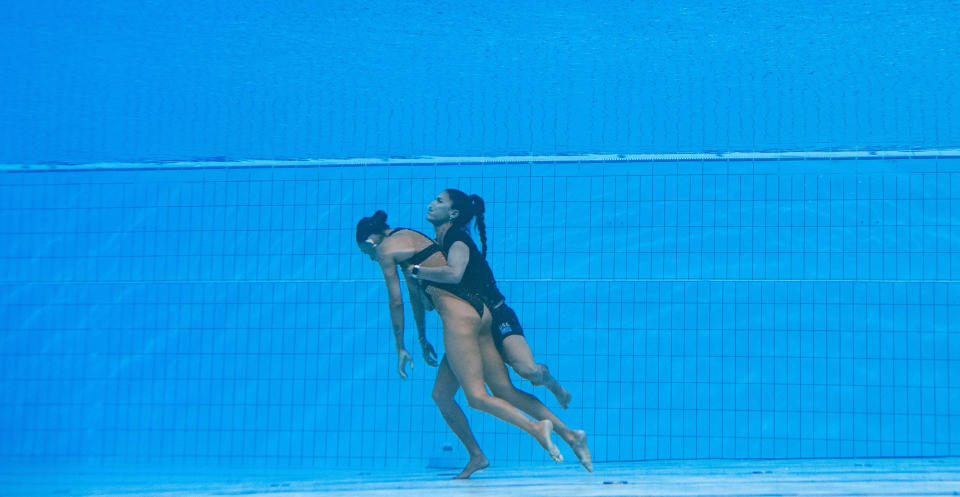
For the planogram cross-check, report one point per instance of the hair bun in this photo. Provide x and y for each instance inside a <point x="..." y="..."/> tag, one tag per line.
<point x="380" y="216"/>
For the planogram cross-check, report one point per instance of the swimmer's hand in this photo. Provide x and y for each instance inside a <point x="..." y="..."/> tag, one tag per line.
<point x="404" y="359"/>
<point x="429" y="355"/>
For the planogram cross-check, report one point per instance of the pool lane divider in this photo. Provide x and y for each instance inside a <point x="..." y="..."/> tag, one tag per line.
<point x="491" y="160"/>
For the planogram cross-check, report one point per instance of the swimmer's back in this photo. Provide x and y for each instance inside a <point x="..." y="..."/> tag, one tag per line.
<point x="409" y="247"/>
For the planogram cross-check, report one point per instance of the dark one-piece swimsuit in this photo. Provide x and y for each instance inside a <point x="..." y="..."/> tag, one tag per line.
<point x="457" y="290"/>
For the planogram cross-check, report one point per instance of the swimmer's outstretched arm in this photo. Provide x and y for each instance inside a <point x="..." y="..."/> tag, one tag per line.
<point x="457" y="261"/>
<point x="395" y="298"/>
<point x="417" y="305"/>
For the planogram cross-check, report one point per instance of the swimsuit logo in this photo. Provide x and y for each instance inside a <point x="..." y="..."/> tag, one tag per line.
<point x="505" y="328"/>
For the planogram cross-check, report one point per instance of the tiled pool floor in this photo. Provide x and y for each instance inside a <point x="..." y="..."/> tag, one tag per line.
<point x="820" y="477"/>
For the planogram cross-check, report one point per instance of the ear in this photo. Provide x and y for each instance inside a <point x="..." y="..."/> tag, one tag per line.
<point x="454" y="213"/>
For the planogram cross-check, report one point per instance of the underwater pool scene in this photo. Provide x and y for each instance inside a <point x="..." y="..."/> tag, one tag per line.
<point x="731" y="231"/>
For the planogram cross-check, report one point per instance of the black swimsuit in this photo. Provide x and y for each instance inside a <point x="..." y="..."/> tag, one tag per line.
<point x="478" y="278"/>
<point x="457" y="290"/>
<point x="422" y="255"/>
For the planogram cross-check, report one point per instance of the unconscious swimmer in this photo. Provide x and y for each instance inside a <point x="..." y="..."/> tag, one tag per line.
<point x="471" y="357"/>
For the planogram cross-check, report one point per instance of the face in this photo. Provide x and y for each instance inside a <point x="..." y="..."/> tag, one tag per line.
<point x="369" y="247"/>
<point x="441" y="210"/>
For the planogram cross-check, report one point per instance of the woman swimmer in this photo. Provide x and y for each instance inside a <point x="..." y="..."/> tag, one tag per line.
<point x="470" y="350"/>
<point x="450" y="213"/>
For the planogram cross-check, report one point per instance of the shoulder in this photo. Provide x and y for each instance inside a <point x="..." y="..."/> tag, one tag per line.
<point x="454" y="236"/>
<point x="390" y="246"/>
<point x="400" y="237"/>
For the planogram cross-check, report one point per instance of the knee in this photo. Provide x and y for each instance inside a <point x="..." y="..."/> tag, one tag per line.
<point x="536" y="374"/>
<point x="477" y="400"/>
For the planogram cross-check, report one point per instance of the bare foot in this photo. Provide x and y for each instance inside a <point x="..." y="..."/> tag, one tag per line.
<point x="579" y="446"/>
<point x="543" y="430"/>
<point x="475" y="464"/>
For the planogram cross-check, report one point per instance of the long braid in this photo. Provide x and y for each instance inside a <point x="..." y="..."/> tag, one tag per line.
<point x="478" y="210"/>
<point x="469" y="206"/>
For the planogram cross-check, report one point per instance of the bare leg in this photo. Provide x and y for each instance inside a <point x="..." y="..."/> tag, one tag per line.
<point x="444" y="389"/>
<point x="496" y="377"/>
<point x="520" y="357"/>
<point x="463" y="336"/>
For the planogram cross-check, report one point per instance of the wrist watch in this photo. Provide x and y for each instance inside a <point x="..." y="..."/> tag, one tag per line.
<point x="415" y="270"/>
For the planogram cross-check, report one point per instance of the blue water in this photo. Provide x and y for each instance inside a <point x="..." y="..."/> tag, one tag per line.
<point x="122" y="81"/>
<point x="219" y="312"/>
<point x="694" y="309"/>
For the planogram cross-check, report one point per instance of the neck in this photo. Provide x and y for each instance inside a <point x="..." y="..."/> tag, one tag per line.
<point x="441" y="229"/>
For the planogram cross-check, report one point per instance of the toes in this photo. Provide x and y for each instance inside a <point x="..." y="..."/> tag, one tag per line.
<point x="556" y="455"/>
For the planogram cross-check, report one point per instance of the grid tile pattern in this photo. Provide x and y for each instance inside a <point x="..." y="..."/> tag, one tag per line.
<point x="714" y="309"/>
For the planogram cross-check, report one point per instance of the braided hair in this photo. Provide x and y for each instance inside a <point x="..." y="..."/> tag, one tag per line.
<point x="470" y="206"/>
